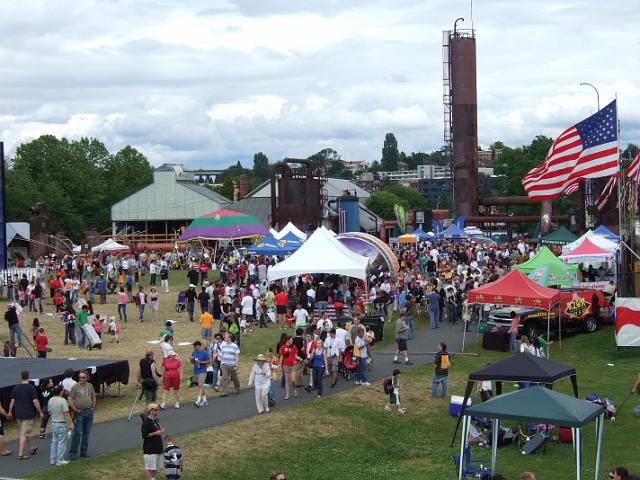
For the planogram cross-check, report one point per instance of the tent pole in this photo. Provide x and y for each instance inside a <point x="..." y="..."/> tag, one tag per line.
<point x="548" y="331"/>
<point x="467" y="395"/>
<point x="464" y="333"/>
<point x="494" y="444"/>
<point x="559" y="327"/>
<point x="578" y="453"/>
<point x="463" y="446"/>
<point x="599" y="428"/>
<point x="573" y="439"/>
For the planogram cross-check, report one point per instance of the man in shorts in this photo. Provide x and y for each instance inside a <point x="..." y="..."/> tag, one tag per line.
<point x="402" y="333"/>
<point x="25" y="403"/>
<point x="281" y="301"/>
<point x="200" y="359"/>
<point x="152" y="448"/>
<point x="335" y="347"/>
<point x="206" y="322"/>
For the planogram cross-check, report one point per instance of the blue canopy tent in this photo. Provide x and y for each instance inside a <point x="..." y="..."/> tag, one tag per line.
<point x="606" y="233"/>
<point x="267" y="246"/>
<point x="453" y="232"/>
<point x="422" y="235"/>
<point x="290" y="242"/>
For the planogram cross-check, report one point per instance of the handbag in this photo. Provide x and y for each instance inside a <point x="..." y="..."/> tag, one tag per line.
<point x="356" y="352"/>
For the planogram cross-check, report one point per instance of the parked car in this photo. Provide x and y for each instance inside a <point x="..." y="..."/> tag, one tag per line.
<point x="579" y="310"/>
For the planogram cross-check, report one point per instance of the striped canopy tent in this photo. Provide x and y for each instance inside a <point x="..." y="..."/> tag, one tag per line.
<point x="224" y="225"/>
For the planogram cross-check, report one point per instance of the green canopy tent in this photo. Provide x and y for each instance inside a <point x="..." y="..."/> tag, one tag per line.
<point x="560" y="236"/>
<point x="538" y="405"/>
<point x="547" y="269"/>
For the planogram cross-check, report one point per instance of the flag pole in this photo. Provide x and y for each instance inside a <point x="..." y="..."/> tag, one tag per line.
<point x="620" y="252"/>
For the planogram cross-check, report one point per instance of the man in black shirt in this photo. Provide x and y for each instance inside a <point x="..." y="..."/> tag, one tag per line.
<point x="11" y="316"/>
<point x="191" y="295"/>
<point x="25" y="403"/>
<point x="152" y="448"/>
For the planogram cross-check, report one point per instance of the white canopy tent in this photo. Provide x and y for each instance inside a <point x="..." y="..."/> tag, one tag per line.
<point x="321" y="253"/>
<point x="289" y="228"/>
<point x="109" y="245"/>
<point x="597" y="240"/>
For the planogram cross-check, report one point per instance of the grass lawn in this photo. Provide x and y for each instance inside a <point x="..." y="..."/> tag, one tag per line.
<point x="348" y="436"/>
<point x="133" y="342"/>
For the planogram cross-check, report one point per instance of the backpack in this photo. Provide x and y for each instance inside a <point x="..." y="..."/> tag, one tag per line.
<point x="388" y="385"/>
<point x="445" y="362"/>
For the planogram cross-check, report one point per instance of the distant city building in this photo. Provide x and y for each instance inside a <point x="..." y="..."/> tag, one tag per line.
<point x="354" y="165"/>
<point x="487" y="157"/>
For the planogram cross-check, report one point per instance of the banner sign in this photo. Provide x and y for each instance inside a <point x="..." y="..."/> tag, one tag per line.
<point x="628" y="322"/>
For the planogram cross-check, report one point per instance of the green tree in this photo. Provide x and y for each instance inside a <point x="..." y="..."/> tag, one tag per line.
<point x="328" y="159"/>
<point x="381" y="203"/>
<point x="410" y="198"/>
<point x="261" y="168"/>
<point x="390" y="153"/>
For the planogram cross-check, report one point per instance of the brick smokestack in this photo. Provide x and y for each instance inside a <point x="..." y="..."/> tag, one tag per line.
<point x="244" y="185"/>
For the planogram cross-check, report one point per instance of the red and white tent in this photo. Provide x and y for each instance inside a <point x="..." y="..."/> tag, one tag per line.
<point x="586" y="252"/>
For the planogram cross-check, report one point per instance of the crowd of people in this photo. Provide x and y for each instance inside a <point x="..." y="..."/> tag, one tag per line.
<point x="321" y="318"/>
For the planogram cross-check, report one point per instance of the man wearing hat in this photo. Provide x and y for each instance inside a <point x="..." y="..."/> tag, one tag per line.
<point x="260" y="377"/>
<point x="152" y="447"/>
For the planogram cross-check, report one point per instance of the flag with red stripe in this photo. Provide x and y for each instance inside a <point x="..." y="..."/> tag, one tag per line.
<point x="588" y="149"/>
<point x="606" y="193"/>
<point x="633" y="170"/>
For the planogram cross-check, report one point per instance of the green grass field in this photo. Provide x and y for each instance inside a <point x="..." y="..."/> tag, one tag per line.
<point x="348" y="436"/>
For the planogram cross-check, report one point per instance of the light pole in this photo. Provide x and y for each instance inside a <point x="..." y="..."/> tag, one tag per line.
<point x="596" y="90"/>
<point x="589" y="182"/>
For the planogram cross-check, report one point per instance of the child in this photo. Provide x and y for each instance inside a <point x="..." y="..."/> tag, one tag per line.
<point x="97" y="326"/>
<point x="58" y="300"/>
<point x="394" y="395"/>
<point x="172" y="458"/>
<point x="35" y="326"/>
<point x="114" y="330"/>
<point x="10" y="349"/>
<point x="41" y="343"/>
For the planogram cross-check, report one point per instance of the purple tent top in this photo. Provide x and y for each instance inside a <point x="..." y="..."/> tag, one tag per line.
<point x="223" y="225"/>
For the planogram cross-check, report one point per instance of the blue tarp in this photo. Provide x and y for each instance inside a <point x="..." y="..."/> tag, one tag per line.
<point x="290" y="242"/>
<point x="421" y="234"/>
<point x="606" y="233"/>
<point x="454" y="232"/>
<point x="267" y="246"/>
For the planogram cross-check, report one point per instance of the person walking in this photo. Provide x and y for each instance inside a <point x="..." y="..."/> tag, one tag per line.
<point x="81" y="321"/>
<point x="141" y="300"/>
<point x="172" y="376"/>
<point x="191" y="296"/>
<point x="402" y="332"/>
<point x="361" y="345"/>
<point x="164" y="278"/>
<point x="288" y="358"/>
<point x="61" y="423"/>
<point x="82" y="401"/>
<point x="394" y="394"/>
<point x="320" y="364"/>
<point x="230" y="356"/>
<point x="148" y="377"/>
<point x="24" y="404"/>
<point x="433" y="301"/>
<point x="152" y="447"/>
<point x="335" y="348"/>
<point x="11" y="316"/>
<point x="260" y="378"/>
<point x="441" y="374"/>
<point x="154" y="304"/>
<point x="200" y="360"/>
<point x="122" y="305"/>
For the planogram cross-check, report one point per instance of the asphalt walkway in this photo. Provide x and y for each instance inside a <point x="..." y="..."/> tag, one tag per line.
<point x="111" y="436"/>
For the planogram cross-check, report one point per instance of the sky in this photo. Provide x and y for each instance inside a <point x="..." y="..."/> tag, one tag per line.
<point x="208" y="83"/>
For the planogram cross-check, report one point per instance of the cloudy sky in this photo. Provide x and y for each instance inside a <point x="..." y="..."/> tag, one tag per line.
<point x="207" y="83"/>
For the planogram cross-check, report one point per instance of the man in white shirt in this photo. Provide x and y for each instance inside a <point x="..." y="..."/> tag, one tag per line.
<point x="385" y="286"/>
<point x="247" y="308"/>
<point x="335" y="348"/>
<point x="342" y="334"/>
<point x="301" y="316"/>
<point x="434" y="253"/>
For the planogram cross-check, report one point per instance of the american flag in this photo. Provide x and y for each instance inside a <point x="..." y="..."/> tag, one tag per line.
<point x="633" y="170"/>
<point x="588" y="149"/>
<point x="606" y="193"/>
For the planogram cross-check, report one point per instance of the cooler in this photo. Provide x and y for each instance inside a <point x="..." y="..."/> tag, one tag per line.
<point x="496" y="339"/>
<point x="566" y="435"/>
<point x="455" y="405"/>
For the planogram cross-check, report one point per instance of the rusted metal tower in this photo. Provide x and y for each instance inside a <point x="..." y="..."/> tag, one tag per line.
<point x="461" y="116"/>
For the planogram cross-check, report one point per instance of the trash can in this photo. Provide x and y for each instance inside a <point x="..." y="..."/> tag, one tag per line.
<point x="376" y="323"/>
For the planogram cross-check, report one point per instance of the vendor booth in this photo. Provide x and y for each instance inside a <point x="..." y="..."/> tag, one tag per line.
<point x="537" y="405"/>
<point x="110" y="245"/>
<point x="547" y="269"/>
<point x="587" y="252"/>
<point x="560" y="236"/>
<point x="223" y="225"/>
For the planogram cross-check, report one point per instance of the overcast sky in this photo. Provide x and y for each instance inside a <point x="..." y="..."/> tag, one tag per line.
<point x="212" y="82"/>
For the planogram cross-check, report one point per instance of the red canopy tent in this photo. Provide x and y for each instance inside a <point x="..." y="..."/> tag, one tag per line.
<point x="516" y="289"/>
<point x="587" y="251"/>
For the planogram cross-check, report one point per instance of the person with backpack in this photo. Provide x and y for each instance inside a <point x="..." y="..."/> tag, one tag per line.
<point x="392" y="388"/>
<point x="442" y="364"/>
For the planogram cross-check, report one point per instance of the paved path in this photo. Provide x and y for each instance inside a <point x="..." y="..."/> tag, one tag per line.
<point x="108" y="437"/>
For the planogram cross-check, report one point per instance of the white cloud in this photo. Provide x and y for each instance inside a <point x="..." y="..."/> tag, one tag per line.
<point x="207" y="86"/>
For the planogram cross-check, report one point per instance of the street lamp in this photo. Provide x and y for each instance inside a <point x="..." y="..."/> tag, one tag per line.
<point x="597" y="93"/>
<point x="589" y="183"/>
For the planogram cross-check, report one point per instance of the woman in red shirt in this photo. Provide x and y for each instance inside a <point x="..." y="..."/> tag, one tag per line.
<point x="172" y="375"/>
<point x="288" y="359"/>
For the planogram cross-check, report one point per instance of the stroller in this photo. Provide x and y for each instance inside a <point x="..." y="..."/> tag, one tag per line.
<point x="349" y="364"/>
<point x="181" y="302"/>
<point x="609" y="407"/>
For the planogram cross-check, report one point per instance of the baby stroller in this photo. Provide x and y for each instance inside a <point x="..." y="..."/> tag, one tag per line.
<point x="349" y="364"/>
<point x="181" y="302"/>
